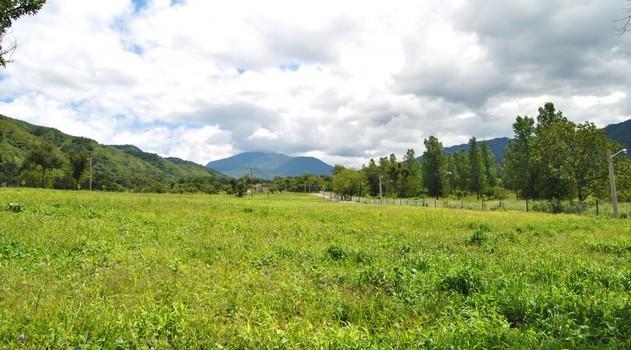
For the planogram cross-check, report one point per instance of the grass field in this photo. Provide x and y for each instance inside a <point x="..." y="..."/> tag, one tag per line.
<point x="92" y="270"/>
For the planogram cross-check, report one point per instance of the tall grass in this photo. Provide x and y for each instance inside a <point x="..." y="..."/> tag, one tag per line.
<point x="104" y="270"/>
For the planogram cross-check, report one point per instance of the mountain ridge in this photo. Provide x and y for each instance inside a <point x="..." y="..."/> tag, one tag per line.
<point x="267" y="165"/>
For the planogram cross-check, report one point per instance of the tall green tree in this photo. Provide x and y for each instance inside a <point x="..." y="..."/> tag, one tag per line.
<point x="45" y="156"/>
<point x="519" y="164"/>
<point x="463" y="168"/>
<point x="9" y="170"/>
<point x="372" y="174"/>
<point x="488" y="159"/>
<point x="10" y="10"/>
<point x="410" y="175"/>
<point x="78" y="163"/>
<point x="349" y="182"/>
<point x="337" y="169"/>
<point x="433" y="166"/>
<point x="554" y="134"/>
<point x="451" y="180"/>
<point x="477" y="177"/>
<point x="586" y="163"/>
<point x="393" y="175"/>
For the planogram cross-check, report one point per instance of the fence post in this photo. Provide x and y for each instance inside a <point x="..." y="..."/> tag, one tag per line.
<point x="526" y="205"/>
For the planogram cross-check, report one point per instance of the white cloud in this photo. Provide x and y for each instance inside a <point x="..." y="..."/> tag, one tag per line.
<point x="341" y="80"/>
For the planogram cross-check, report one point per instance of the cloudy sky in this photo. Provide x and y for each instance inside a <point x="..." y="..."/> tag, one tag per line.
<point x="340" y="80"/>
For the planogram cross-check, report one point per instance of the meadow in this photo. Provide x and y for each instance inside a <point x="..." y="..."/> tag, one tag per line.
<point x="84" y="270"/>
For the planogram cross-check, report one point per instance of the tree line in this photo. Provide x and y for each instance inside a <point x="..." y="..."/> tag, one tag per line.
<point x="307" y="183"/>
<point x="549" y="157"/>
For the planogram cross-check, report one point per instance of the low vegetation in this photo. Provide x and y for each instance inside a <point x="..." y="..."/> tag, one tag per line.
<point x="118" y="270"/>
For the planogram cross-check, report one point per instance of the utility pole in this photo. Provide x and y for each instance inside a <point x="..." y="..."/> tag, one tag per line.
<point x="612" y="182"/>
<point x="90" y="161"/>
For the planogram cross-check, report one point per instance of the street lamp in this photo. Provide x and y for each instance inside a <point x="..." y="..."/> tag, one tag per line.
<point x="612" y="181"/>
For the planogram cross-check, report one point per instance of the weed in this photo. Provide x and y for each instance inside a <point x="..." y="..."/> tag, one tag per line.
<point x="336" y="253"/>
<point x="477" y="238"/>
<point x="465" y="281"/>
<point x="14" y="207"/>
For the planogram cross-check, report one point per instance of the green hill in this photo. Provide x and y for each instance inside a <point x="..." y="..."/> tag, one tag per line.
<point x="115" y="167"/>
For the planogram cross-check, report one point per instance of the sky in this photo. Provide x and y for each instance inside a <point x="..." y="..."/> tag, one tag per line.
<point x="340" y="80"/>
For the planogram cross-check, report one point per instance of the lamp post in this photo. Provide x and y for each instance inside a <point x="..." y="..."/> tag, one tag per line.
<point x="612" y="181"/>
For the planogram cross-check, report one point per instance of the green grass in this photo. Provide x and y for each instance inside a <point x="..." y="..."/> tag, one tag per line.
<point x="95" y="270"/>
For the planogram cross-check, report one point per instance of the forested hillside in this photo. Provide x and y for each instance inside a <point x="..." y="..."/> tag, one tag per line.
<point x="38" y="156"/>
<point x="620" y="133"/>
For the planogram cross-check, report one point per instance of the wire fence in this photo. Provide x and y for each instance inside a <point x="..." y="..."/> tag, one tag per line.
<point x="591" y="207"/>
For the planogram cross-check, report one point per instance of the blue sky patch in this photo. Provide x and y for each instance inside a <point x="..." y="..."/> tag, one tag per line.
<point x="139" y="4"/>
<point x="136" y="49"/>
<point x="290" y="67"/>
<point x="7" y="99"/>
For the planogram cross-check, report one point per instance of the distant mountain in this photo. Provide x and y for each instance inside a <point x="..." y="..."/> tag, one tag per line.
<point x="620" y="133"/>
<point x="116" y="167"/>
<point x="269" y="165"/>
<point x="496" y="145"/>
